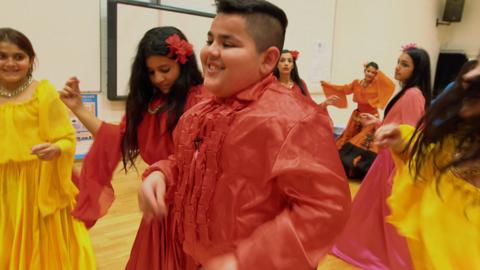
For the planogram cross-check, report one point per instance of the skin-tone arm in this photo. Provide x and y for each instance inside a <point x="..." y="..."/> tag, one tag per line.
<point x="70" y="95"/>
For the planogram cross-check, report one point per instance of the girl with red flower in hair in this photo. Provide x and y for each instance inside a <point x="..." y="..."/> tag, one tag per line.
<point x="287" y="73"/>
<point x="164" y="82"/>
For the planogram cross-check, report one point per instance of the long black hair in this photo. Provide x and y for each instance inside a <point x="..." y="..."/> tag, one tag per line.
<point x="420" y="77"/>
<point x="142" y="91"/>
<point x="371" y="64"/>
<point x="293" y="74"/>
<point x="442" y="121"/>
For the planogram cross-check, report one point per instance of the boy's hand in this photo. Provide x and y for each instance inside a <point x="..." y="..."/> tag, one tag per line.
<point x="70" y="94"/>
<point x="223" y="262"/>
<point x="151" y="196"/>
<point x="389" y="136"/>
<point x="46" y="151"/>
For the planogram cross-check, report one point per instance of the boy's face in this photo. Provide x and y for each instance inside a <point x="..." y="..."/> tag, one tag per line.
<point x="230" y="60"/>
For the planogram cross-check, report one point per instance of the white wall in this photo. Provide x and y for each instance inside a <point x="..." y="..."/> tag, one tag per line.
<point x="310" y="31"/>
<point x="465" y="35"/>
<point x="363" y="31"/>
<point x="65" y="35"/>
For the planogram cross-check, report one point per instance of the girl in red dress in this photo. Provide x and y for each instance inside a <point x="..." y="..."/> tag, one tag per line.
<point x="164" y="82"/>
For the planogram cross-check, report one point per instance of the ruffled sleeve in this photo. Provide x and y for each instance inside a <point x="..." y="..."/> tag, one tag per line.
<point x="384" y="88"/>
<point x="96" y="191"/>
<point x="56" y="189"/>
<point x="406" y="134"/>
<point x="338" y="90"/>
<point x="439" y="217"/>
<point x="317" y="192"/>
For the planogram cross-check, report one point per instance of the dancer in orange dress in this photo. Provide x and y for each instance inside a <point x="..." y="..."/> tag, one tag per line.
<point x="355" y="144"/>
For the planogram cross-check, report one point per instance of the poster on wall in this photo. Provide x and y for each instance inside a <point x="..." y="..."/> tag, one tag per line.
<point x="321" y="62"/>
<point x="83" y="136"/>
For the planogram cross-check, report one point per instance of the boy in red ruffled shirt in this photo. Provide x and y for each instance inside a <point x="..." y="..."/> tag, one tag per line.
<point x="255" y="181"/>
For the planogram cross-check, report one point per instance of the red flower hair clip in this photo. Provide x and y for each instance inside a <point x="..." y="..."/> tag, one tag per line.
<point x="179" y="47"/>
<point x="409" y="46"/>
<point x="295" y="54"/>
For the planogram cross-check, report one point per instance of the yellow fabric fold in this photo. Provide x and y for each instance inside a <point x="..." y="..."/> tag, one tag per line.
<point x="36" y="196"/>
<point x="56" y="190"/>
<point x="439" y="216"/>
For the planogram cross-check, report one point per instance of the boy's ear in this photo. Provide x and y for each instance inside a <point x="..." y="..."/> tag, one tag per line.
<point x="270" y="60"/>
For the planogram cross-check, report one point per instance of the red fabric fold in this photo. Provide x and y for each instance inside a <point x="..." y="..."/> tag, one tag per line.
<point x="155" y="143"/>
<point x="96" y="192"/>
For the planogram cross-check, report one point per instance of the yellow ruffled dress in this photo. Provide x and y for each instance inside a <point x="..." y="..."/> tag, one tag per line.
<point x="439" y="217"/>
<point x="36" y="228"/>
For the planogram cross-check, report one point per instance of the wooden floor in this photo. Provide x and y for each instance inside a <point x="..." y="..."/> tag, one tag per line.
<point x="113" y="235"/>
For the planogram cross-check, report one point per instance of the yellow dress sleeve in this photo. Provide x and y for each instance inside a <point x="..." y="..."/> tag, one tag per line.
<point x="384" y="87"/>
<point x="338" y="90"/>
<point x="438" y="215"/>
<point x="56" y="189"/>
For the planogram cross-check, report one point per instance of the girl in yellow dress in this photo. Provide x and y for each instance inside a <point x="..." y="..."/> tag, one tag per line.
<point x="37" y="144"/>
<point x="435" y="200"/>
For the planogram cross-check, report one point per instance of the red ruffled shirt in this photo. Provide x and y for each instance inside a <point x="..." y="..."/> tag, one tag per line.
<point x="257" y="174"/>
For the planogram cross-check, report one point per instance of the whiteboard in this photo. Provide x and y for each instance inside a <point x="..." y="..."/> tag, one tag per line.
<point x="310" y="31"/>
<point x="65" y="35"/>
<point x="128" y="21"/>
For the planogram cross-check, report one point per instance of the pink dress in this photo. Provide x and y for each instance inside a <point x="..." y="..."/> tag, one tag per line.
<point x="368" y="241"/>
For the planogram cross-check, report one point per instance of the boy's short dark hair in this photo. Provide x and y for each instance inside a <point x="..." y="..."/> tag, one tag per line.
<point x="266" y="22"/>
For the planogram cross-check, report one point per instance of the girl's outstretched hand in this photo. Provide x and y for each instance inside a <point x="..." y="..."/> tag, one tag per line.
<point x="70" y="94"/>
